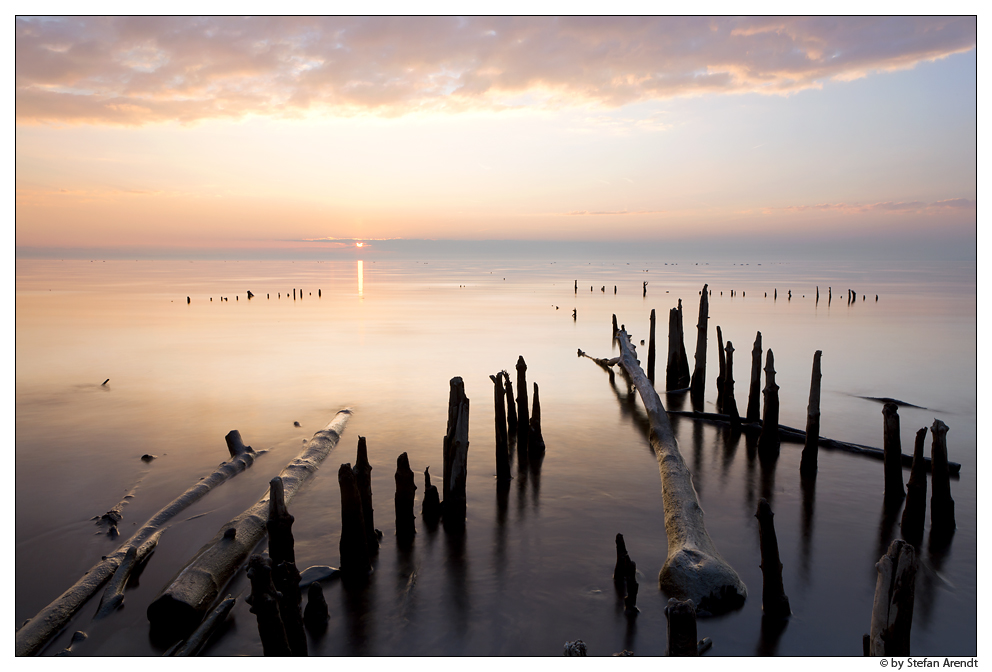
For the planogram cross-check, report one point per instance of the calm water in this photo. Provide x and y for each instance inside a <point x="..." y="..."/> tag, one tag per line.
<point x="534" y="569"/>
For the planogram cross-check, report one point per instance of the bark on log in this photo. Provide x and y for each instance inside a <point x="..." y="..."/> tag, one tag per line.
<point x="754" y="393"/>
<point x="32" y="637"/>
<point x="195" y="642"/>
<point x="729" y="402"/>
<point x="893" y="453"/>
<point x="684" y="376"/>
<point x="774" y="601"/>
<point x="535" y="441"/>
<point x="651" y="343"/>
<point x="113" y="596"/>
<point x="456" y="450"/>
<point x="502" y="439"/>
<point x="265" y="605"/>
<point x="363" y="478"/>
<point x="285" y="575"/>
<point x="723" y="370"/>
<point x="694" y="569"/>
<point x="354" y="549"/>
<point x="190" y="594"/>
<point x="807" y="465"/>
<point x="523" y="412"/>
<point x="915" y="514"/>
<point x="892" y="611"/>
<point x="941" y="505"/>
<point x="768" y="441"/>
<point x="697" y="386"/>
<point x="430" y="510"/>
<point x="406" y="490"/>
<point x="681" y="616"/>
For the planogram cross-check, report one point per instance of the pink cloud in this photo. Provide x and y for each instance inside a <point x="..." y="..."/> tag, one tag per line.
<point x="882" y="206"/>
<point x="136" y="70"/>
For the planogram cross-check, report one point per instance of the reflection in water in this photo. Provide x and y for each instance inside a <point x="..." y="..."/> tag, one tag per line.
<point x="732" y="439"/>
<point x="697" y="456"/>
<point x="359" y="607"/>
<point x="631" y="633"/>
<point x="891" y="506"/>
<point x="928" y="576"/>
<point x="751" y="443"/>
<point x="456" y="569"/>
<point x="808" y="487"/>
<point x="502" y="503"/>
<point x="361" y="278"/>
<point x="772" y="628"/>
<point x="768" y="464"/>
<point x="535" y="479"/>
<point x="406" y="579"/>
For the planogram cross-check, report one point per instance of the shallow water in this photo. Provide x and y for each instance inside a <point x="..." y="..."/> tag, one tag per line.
<point x="534" y="569"/>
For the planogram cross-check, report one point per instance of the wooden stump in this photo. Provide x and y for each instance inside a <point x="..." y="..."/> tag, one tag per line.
<point x="620" y="570"/>
<point x="316" y="615"/>
<point x="754" y="392"/>
<point x="697" y="385"/>
<point x="723" y="370"/>
<point x="535" y="445"/>
<point x="511" y="408"/>
<point x="893" y="453"/>
<point x="807" y="465"/>
<point x="285" y="576"/>
<point x="729" y="402"/>
<point x="523" y="413"/>
<point x="430" y="510"/>
<point x="672" y="365"/>
<point x="363" y="478"/>
<point x="941" y="505"/>
<point x="456" y="453"/>
<point x="355" y="561"/>
<point x="502" y="439"/>
<point x="892" y="611"/>
<point x="768" y="441"/>
<point x="915" y="514"/>
<point x="265" y="605"/>
<point x="630" y="579"/>
<point x="684" y="375"/>
<point x="406" y="490"/>
<point x="774" y="601"/>
<point x="681" y="616"/>
<point x="651" y="342"/>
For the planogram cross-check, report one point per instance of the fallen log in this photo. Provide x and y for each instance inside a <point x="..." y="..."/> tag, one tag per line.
<point x="113" y="596"/>
<point x="694" y="569"/>
<point x="32" y="637"/>
<point x="189" y="595"/>
<point x="195" y="642"/>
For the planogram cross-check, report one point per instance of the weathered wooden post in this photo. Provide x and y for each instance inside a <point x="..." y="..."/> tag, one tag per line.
<point x="892" y="448"/>
<point x="645" y="288"/>
<point x="941" y="505"/>
<point x="892" y="611"/>
<point x="511" y="408"/>
<point x="807" y="465"/>
<point x="651" y="343"/>
<point x="729" y="402"/>
<point x="817" y="295"/>
<point x="915" y="514"/>
<point x="754" y="392"/>
<point x="456" y="454"/>
<point x="523" y="413"/>
<point x="355" y="561"/>
<point x="774" y="601"/>
<point x="698" y="384"/>
<point x="403" y="500"/>
<point x="681" y="616"/>
<point x="672" y="368"/>
<point x="768" y="441"/>
<point x="615" y="327"/>
<point x="430" y="510"/>
<point x="576" y="286"/>
<point x="363" y="478"/>
<point x="285" y="576"/>
<point x="535" y="442"/>
<point x="630" y="578"/>
<point x="502" y="441"/>
<point x="684" y="376"/>
<point x="315" y="616"/>
<point x="265" y="606"/>
<point x="723" y="370"/>
<point x="620" y="570"/>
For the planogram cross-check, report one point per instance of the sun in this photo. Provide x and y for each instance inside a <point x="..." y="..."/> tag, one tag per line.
<point x="359" y="244"/>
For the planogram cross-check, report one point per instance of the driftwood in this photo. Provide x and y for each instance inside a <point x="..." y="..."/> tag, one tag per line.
<point x="892" y="611"/>
<point x="651" y="345"/>
<point x="605" y="363"/>
<point x="941" y="505"/>
<point x="768" y="442"/>
<point x="774" y="601"/>
<point x="697" y="386"/>
<point x="681" y="616"/>
<point x="285" y="575"/>
<point x="113" y="596"/>
<point x="195" y="642"/>
<point x="523" y="417"/>
<point x="754" y="392"/>
<point x="78" y="637"/>
<point x="363" y="478"/>
<point x="430" y="510"/>
<point x="353" y="546"/>
<point x="893" y="453"/>
<point x="723" y="370"/>
<point x="264" y="603"/>
<point x="694" y="569"/>
<point x="807" y="465"/>
<point x="406" y="490"/>
<point x="189" y="595"/>
<point x="456" y="450"/>
<point x="32" y="637"/>
<point x="502" y="438"/>
<point x="729" y="402"/>
<point x="535" y="445"/>
<point x="915" y="514"/>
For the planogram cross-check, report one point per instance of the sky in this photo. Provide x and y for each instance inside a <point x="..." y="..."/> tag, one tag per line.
<point x="255" y="137"/>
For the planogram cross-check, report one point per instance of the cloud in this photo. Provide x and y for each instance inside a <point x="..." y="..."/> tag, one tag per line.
<point x="883" y="206"/>
<point x="138" y="70"/>
<point x="614" y="212"/>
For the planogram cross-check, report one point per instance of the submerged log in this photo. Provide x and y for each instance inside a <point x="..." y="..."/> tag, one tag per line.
<point x="768" y="441"/>
<point x="915" y="514"/>
<point x="681" y="616"/>
<point x="535" y="442"/>
<point x="190" y="594"/>
<point x="697" y="385"/>
<point x="754" y="392"/>
<point x="523" y="412"/>
<point x="430" y="510"/>
<point x="502" y="439"/>
<point x="285" y="575"/>
<point x="354" y="549"/>
<point x="264" y="603"/>
<point x="774" y="601"/>
<point x="807" y="465"/>
<point x="456" y="451"/>
<point x="729" y="402"/>
<point x="941" y="505"/>
<point x="651" y="342"/>
<point x="694" y="569"/>
<point x="893" y="453"/>
<point x="363" y="478"/>
<point x="195" y="642"/>
<point x="723" y="370"/>
<point x="406" y="490"/>
<point x="32" y="637"/>
<point x="113" y="596"/>
<point x="892" y="611"/>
